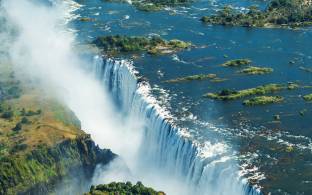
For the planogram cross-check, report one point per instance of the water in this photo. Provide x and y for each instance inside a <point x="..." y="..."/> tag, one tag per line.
<point x="204" y="168"/>
<point x="190" y="145"/>
<point x="262" y="144"/>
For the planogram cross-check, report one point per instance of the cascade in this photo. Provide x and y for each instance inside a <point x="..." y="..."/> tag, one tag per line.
<point x="207" y="167"/>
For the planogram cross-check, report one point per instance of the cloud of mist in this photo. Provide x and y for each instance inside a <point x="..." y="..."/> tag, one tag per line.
<point x="43" y="50"/>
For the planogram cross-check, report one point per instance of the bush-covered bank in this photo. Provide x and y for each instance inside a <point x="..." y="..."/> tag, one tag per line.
<point x="279" y="13"/>
<point x="123" y="189"/>
<point x="41" y="169"/>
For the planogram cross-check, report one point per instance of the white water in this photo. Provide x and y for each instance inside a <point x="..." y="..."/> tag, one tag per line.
<point x="205" y="169"/>
<point x="156" y="152"/>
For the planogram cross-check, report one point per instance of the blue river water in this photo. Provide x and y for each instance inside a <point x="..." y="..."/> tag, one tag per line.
<point x="274" y="154"/>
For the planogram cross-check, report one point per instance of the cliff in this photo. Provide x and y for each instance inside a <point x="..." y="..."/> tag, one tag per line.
<point x="39" y="171"/>
<point x="42" y="146"/>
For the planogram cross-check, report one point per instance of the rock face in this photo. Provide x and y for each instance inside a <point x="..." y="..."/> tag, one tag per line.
<point x="44" y="168"/>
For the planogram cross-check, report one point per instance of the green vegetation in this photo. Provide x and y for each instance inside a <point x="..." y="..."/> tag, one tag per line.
<point x="86" y="19"/>
<point x="192" y="78"/>
<point x="308" y="97"/>
<point x="262" y="100"/>
<point x="218" y="80"/>
<point x="7" y="114"/>
<point x="237" y="63"/>
<point x="121" y="188"/>
<point x="154" y="5"/>
<point x="45" y="165"/>
<point x="279" y="13"/>
<point x="253" y="70"/>
<point x="302" y="112"/>
<point x="10" y="90"/>
<point x="17" y="127"/>
<point x="227" y="94"/>
<point x="291" y="86"/>
<point x="114" y="45"/>
<point x="38" y="149"/>
<point x="25" y="120"/>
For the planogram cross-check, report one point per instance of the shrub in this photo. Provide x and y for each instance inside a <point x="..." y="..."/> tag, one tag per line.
<point x="25" y="120"/>
<point x="17" y="127"/>
<point x="7" y="115"/>
<point x="19" y="147"/>
<point x="14" y="92"/>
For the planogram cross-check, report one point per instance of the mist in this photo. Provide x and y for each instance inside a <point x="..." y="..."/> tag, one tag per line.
<point x="40" y="47"/>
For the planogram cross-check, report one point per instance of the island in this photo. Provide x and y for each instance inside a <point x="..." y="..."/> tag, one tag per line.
<point x="279" y="13"/>
<point x="120" y="44"/>
<point x="262" y="100"/>
<point x="154" y="5"/>
<point x="237" y="63"/>
<point x="123" y="189"/>
<point x="254" y="70"/>
<point x="228" y="94"/>
<point x="197" y="77"/>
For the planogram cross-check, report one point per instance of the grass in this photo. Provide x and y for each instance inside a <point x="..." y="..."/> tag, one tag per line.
<point x="237" y="63"/>
<point x="254" y="70"/>
<point x="39" y="138"/>
<point x="30" y="117"/>
<point x="263" y="100"/>
<point x="232" y="94"/>
<point x="192" y="78"/>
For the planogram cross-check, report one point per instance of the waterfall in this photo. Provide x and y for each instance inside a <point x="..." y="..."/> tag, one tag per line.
<point x="165" y="147"/>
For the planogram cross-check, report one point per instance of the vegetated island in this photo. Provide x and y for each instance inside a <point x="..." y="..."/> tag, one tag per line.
<point x="262" y="100"/>
<point x="237" y="63"/>
<point x="197" y="77"/>
<point x="250" y="70"/>
<point x="259" y="93"/>
<point x="279" y="13"/>
<point x="228" y="94"/>
<point x="308" y="97"/>
<point x="41" y="142"/>
<point x="192" y="78"/>
<point x="123" y="189"/>
<point x="154" y="5"/>
<point x="119" y="44"/>
<point x="254" y="70"/>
